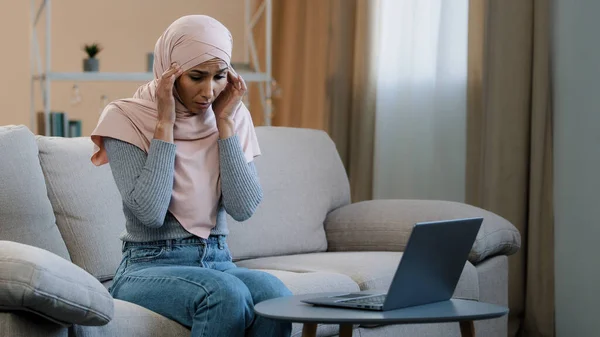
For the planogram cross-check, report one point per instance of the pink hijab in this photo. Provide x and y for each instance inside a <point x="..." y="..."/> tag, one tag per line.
<point x="189" y="41"/>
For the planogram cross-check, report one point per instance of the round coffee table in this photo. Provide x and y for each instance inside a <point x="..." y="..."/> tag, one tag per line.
<point x="291" y="309"/>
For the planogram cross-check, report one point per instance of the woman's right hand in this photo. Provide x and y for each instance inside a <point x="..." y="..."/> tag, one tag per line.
<point x="166" y="104"/>
<point x="164" y="94"/>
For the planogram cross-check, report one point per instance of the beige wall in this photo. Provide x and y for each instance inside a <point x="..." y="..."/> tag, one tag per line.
<point x="127" y="29"/>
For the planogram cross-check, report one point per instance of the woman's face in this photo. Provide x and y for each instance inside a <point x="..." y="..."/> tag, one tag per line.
<point x="198" y="87"/>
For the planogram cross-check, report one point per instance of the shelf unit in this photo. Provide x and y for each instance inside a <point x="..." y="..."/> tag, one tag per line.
<point x="250" y="70"/>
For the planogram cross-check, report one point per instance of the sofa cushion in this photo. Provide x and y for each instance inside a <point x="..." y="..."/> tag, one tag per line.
<point x="314" y="282"/>
<point x="311" y="283"/>
<point x="132" y="320"/>
<point x="298" y="283"/>
<point x="25" y="211"/>
<point x="86" y="202"/>
<point x="370" y="270"/>
<point x="36" y="280"/>
<point x="303" y="178"/>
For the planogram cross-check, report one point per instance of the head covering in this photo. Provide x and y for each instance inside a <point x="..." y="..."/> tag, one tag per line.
<point x="189" y="41"/>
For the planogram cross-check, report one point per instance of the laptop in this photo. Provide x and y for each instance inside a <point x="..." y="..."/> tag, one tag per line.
<point x="428" y="272"/>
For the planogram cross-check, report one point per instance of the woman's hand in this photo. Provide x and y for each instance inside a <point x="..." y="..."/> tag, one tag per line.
<point x="164" y="94"/>
<point x="166" y="103"/>
<point x="227" y="103"/>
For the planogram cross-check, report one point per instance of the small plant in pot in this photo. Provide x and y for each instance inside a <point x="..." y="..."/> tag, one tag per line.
<point x="91" y="63"/>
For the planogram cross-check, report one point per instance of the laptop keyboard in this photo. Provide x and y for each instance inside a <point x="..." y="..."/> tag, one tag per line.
<point x="373" y="300"/>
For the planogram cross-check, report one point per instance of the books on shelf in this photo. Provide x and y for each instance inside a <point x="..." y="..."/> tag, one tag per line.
<point x="74" y="128"/>
<point x="60" y="125"/>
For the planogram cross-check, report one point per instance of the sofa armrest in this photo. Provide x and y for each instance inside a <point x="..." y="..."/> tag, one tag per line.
<point x="36" y="280"/>
<point x="385" y="225"/>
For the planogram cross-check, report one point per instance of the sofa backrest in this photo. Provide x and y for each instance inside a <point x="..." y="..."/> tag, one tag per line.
<point x="303" y="179"/>
<point x="79" y="205"/>
<point x="25" y="212"/>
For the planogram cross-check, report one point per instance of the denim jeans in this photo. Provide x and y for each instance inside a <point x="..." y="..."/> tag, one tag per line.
<point x="194" y="282"/>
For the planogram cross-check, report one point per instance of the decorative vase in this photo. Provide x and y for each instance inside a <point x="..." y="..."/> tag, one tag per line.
<point x="91" y="64"/>
<point x="150" y="62"/>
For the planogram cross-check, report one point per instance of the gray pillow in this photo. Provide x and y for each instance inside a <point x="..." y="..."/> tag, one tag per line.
<point x="36" y="280"/>
<point x="86" y="203"/>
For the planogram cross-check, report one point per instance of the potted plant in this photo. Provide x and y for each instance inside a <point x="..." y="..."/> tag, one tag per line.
<point x="91" y="63"/>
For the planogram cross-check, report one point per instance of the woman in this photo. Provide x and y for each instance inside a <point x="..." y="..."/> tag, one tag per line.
<point x="181" y="152"/>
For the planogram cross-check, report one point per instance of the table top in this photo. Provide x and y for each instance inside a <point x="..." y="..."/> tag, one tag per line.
<point x="291" y="309"/>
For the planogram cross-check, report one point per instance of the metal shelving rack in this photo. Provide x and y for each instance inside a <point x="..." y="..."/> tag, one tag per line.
<point x="250" y="69"/>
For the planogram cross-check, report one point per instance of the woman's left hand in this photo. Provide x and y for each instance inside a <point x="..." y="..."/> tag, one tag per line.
<point x="231" y="97"/>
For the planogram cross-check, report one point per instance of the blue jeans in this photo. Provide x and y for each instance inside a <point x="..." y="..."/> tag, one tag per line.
<point x="194" y="282"/>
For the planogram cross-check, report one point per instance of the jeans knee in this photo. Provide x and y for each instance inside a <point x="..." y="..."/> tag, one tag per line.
<point x="225" y="305"/>
<point x="233" y="294"/>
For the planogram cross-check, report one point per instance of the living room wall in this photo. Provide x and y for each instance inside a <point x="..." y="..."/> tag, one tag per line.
<point x="577" y="163"/>
<point x="127" y="30"/>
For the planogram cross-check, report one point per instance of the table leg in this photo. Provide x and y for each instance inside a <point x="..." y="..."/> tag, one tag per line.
<point x="309" y="330"/>
<point x="467" y="329"/>
<point x="346" y="330"/>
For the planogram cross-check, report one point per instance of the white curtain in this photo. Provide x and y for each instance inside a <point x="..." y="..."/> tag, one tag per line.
<point x="420" y="128"/>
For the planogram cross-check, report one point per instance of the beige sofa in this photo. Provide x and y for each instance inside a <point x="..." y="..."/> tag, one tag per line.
<point x="305" y="232"/>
